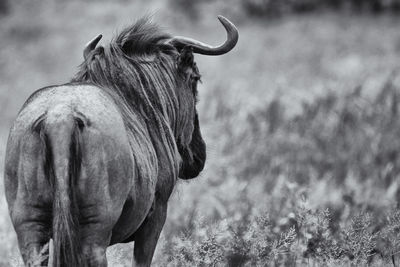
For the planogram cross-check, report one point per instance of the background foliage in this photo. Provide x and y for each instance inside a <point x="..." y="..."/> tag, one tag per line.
<point x="300" y="122"/>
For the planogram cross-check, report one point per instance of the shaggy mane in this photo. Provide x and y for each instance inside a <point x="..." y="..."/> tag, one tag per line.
<point x="139" y="71"/>
<point x="144" y="37"/>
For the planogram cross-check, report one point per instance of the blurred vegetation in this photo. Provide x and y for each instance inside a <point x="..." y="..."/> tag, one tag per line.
<point x="309" y="191"/>
<point x="271" y="7"/>
<point x="300" y="121"/>
<point x="3" y="7"/>
<point x="268" y="8"/>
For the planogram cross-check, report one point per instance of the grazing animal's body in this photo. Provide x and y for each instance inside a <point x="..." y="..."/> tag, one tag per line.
<point x="93" y="162"/>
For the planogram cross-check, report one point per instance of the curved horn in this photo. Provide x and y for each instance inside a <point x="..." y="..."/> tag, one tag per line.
<point x="91" y="45"/>
<point x="205" y="49"/>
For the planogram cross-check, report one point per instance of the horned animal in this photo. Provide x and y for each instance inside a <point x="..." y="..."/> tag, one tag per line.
<point x="93" y="162"/>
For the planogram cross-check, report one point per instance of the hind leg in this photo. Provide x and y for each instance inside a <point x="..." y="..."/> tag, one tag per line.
<point x="96" y="223"/>
<point x="29" y="198"/>
<point x="33" y="239"/>
<point x="146" y="237"/>
<point x="95" y="237"/>
<point x="32" y="223"/>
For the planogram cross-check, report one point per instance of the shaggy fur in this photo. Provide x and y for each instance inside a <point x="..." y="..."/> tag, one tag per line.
<point x="147" y="77"/>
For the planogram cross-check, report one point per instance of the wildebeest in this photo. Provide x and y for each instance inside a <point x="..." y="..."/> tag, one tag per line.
<point x="93" y="162"/>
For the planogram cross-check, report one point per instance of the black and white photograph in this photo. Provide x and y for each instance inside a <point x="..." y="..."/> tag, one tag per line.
<point x="181" y="133"/>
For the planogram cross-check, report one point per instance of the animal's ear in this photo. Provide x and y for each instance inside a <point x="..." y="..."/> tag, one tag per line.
<point x="91" y="45"/>
<point x="193" y="156"/>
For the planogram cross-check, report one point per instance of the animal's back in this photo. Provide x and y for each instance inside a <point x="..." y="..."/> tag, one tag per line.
<point x="69" y="164"/>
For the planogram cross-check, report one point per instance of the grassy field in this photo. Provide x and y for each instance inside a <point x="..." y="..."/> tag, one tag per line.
<point x="300" y="122"/>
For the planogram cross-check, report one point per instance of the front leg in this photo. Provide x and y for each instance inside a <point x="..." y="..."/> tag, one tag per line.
<point x="146" y="237"/>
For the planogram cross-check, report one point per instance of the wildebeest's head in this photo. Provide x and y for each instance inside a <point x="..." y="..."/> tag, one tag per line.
<point x="165" y="67"/>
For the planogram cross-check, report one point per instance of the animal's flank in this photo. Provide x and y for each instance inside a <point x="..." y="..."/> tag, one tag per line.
<point x="61" y="140"/>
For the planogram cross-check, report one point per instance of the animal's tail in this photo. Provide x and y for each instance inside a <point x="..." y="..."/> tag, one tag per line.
<point x="62" y="139"/>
